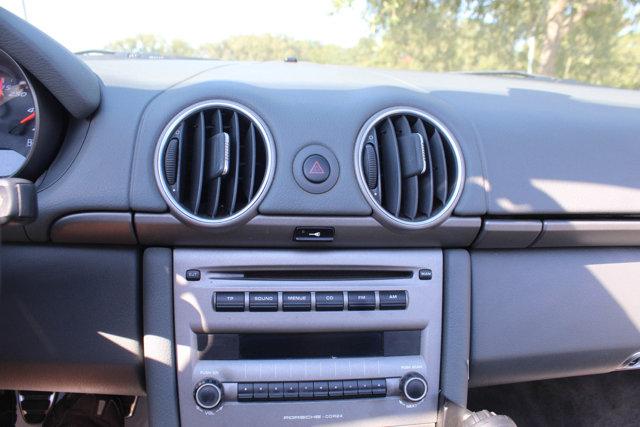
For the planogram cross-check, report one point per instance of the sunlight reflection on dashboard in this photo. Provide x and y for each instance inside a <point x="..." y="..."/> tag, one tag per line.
<point x="569" y="195"/>
<point x="619" y="280"/>
<point x="129" y="344"/>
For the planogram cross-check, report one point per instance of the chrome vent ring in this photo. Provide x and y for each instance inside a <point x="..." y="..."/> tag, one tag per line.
<point x="214" y="162"/>
<point x="409" y="167"/>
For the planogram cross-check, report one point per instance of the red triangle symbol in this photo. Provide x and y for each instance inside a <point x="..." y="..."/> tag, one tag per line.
<point x="316" y="169"/>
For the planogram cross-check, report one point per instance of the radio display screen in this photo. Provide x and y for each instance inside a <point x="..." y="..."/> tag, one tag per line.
<point x="308" y="345"/>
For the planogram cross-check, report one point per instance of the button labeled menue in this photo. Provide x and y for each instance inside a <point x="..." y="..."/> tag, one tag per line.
<point x="296" y="301"/>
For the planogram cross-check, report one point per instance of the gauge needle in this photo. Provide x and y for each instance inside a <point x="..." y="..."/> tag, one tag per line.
<point x="24" y="121"/>
<point x="28" y="118"/>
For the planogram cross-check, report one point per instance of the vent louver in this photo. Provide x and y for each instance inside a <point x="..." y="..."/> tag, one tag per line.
<point x="410" y="168"/>
<point x="213" y="163"/>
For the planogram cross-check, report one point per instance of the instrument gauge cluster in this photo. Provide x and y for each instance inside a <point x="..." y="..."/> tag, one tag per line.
<point x="29" y="123"/>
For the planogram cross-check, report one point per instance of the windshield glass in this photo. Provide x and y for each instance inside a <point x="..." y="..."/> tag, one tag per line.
<point x="591" y="41"/>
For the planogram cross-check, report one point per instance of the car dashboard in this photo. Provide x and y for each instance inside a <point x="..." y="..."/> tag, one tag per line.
<point x="269" y="242"/>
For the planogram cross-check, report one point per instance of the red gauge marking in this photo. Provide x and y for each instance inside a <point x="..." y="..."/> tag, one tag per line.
<point x="28" y="118"/>
<point x="1" y="87"/>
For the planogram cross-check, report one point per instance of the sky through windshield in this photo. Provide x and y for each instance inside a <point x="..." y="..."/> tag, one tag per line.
<point x="592" y="41"/>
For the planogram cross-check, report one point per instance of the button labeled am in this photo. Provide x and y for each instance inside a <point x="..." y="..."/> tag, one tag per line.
<point x="393" y="300"/>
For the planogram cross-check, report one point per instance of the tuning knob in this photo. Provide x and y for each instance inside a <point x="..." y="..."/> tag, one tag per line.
<point x="208" y="393"/>
<point x="413" y="387"/>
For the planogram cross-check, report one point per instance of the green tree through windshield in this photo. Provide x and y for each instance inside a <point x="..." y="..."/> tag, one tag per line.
<point x="593" y="41"/>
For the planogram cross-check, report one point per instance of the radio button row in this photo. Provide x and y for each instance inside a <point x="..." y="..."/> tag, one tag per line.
<point x="248" y="392"/>
<point x="301" y="301"/>
<point x="263" y="301"/>
<point x="229" y="301"/>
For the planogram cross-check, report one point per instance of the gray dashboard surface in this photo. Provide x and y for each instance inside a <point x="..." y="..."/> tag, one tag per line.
<point x="69" y="319"/>
<point x="549" y="148"/>
<point x="278" y="231"/>
<point x="302" y="104"/>
<point x="97" y="161"/>
<point x="98" y="177"/>
<point x="530" y="147"/>
<point x="540" y="314"/>
<point x="456" y="326"/>
<point x="159" y="343"/>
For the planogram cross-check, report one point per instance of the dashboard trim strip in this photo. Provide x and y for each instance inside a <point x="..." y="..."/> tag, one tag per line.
<point x="278" y="231"/>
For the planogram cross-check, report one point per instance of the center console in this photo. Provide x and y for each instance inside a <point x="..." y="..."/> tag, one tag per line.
<point x="308" y="337"/>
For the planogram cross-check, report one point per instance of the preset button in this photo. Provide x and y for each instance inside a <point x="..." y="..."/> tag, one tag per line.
<point x="291" y="390"/>
<point x="260" y="391"/>
<point x="350" y="387"/>
<point x="276" y="391"/>
<point x="364" y="387"/>
<point x="305" y="390"/>
<point x="320" y="389"/>
<point x="335" y="388"/>
<point x="245" y="391"/>
<point x="379" y="387"/>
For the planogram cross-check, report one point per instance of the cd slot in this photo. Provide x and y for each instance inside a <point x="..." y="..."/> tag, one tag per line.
<point x="315" y="274"/>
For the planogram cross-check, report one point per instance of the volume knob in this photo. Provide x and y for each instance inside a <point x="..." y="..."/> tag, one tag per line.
<point x="413" y="387"/>
<point x="208" y="394"/>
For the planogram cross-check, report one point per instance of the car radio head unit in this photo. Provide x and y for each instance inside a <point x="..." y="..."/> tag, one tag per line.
<point x="335" y="338"/>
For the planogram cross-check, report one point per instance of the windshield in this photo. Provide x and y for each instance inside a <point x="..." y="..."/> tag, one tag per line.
<point x="591" y="41"/>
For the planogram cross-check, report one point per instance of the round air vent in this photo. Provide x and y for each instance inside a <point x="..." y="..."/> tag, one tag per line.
<point x="213" y="163"/>
<point x="409" y="167"/>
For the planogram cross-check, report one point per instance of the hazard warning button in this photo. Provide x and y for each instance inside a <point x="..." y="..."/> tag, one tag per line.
<point x="316" y="168"/>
